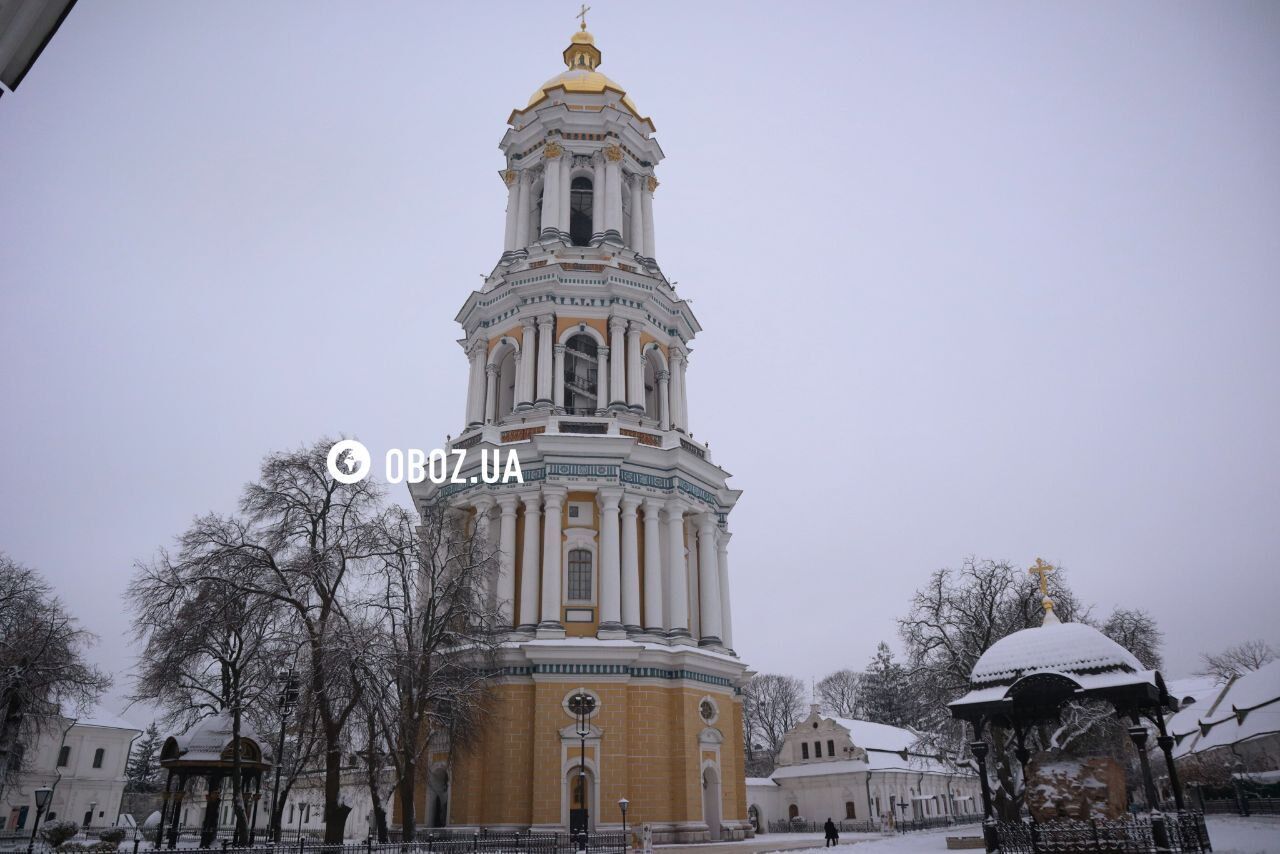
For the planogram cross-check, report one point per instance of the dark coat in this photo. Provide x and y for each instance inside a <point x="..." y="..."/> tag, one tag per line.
<point x="830" y="829"/>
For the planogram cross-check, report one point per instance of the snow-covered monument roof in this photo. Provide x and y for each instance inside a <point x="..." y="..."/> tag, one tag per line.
<point x="1029" y="674"/>
<point x="209" y="743"/>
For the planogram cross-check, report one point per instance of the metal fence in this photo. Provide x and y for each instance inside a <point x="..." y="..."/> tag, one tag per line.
<point x="450" y="842"/>
<point x="1180" y="833"/>
<point x="1242" y="806"/>
<point x="932" y="822"/>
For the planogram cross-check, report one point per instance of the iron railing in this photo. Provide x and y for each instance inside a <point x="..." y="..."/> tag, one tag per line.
<point x="1242" y="806"/>
<point x="1175" y="832"/>
<point x="910" y="825"/>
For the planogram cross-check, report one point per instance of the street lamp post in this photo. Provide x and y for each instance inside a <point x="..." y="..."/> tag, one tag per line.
<point x="582" y="705"/>
<point x="43" y="794"/>
<point x="288" y="699"/>
<point x="623" y="803"/>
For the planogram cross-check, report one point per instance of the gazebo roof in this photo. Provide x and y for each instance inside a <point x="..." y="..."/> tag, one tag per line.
<point x="208" y="744"/>
<point x="1029" y="674"/>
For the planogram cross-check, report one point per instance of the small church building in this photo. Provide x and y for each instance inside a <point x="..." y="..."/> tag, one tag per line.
<point x="854" y="770"/>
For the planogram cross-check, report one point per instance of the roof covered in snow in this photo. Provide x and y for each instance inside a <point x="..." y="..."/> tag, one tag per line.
<point x="1068" y="648"/>
<point x="207" y="740"/>
<point x="1246" y="707"/>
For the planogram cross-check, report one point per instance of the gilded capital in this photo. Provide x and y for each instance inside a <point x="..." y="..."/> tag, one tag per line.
<point x="613" y="153"/>
<point x="653" y="184"/>
<point x="552" y="150"/>
<point x="509" y="177"/>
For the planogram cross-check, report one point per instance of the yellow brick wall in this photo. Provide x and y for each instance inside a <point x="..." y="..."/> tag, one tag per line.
<point x="511" y="773"/>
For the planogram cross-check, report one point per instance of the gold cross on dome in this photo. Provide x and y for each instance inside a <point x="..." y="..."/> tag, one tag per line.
<point x="582" y="14"/>
<point x="1042" y="569"/>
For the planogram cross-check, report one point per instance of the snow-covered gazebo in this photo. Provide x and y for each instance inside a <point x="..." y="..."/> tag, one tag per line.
<point x="1027" y="677"/>
<point x="207" y="751"/>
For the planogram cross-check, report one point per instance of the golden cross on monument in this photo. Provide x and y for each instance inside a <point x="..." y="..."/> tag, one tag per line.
<point x="1042" y="569"/>
<point x="582" y="13"/>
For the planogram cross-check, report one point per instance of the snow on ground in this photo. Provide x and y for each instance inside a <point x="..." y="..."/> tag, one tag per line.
<point x="1229" y="835"/>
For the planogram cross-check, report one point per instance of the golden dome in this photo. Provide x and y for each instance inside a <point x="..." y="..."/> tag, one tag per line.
<point x="581" y="58"/>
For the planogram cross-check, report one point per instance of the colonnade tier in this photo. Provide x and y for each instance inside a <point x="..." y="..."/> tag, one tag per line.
<point x="621" y="199"/>
<point x="685" y="557"/>
<point x="540" y="368"/>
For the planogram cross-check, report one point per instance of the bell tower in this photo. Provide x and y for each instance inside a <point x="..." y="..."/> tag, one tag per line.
<point x="614" y="578"/>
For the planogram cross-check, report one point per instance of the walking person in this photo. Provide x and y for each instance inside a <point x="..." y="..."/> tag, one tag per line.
<point x="833" y="835"/>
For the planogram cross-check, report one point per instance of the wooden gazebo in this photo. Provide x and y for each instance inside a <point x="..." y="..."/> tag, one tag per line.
<point x="207" y="751"/>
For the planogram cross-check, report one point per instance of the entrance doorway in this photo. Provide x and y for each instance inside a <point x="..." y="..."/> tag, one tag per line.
<point x="711" y="802"/>
<point x="581" y="789"/>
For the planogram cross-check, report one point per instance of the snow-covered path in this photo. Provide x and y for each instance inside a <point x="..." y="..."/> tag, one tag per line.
<point x="1229" y="834"/>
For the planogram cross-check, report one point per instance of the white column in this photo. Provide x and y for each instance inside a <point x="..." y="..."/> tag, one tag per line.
<point x="637" y="215"/>
<point x="682" y="399"/>
<point x="726" y="610"/>
<point x="566" y="182"/>
<point x="654" y="618"/>
<point x="602" y="379"/>
<point x="664" y="404"/>
<point x="524" y="388"/>
<point x="483" y="533"/>
<point x="635" y="369"/>
<point x="709" y="581"/>
<point x="545" y="326"/>
<point x="475" y="390"/>
<point x="522" y="209"/>
<point x="491" y="392"/>
<point x="557" y="378"/>
<point x="691" y="575"/>
<point x="677" y="571"/>
<point x="507" y="559"/>
<point x="551" y="563"/>
<point x="610" y="568"/>
<point x="617" y="378"/>
<point x="650" y="185"/>
<point x="676" y="391"/>
<point x="550" y="187"/>
<point x="613" y="190"/>
<point x="512" y="179"/>
<point x="530" y="571"/>
<point x="630" y="565"/>
<point x="597" y="203"/>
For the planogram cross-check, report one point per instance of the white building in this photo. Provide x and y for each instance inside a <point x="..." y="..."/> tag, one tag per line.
<point x="852" y="770"/>
<point x="83" y="760"/>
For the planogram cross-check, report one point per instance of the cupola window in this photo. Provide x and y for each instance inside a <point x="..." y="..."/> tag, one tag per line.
<point x="581" y="375"/>
<point x="581" y="201"/>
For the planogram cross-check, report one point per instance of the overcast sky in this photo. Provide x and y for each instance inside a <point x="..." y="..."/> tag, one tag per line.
<point x="990" y="279"/>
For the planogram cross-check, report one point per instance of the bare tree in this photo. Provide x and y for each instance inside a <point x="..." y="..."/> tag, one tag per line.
<point x="208" y="646"/>
<point x="43" y="672"/>
<point x="439" y="636"/>
<point x="1136" y="631"/>
<point x="304" y="542"/>
<point x="772" y="705"/>
<point x="1237" y="660"/>
<point x="840" y="693"/>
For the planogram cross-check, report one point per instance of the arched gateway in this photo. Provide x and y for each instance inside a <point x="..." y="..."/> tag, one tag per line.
<point x="614" y="573"/>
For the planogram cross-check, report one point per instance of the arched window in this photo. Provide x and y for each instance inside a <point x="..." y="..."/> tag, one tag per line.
<point x="581" y="373"/>
<point x="804" y="750"/>
<point x="580" y="575"/>
<point x="64" y="756"/>
<point x="831" y="747"/>
<point x="793" y="811"/>
<point x="507" y="383"/>
<point x="98" y="756"/>
<point x="850" y="811"/>
<point x="580" y="217"/>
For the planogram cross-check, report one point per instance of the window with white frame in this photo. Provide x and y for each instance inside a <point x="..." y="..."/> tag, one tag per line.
<point x="580" y="575"/>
